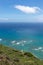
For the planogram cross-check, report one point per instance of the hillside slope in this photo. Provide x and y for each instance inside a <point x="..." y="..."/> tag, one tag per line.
<point x="9" y="56"/>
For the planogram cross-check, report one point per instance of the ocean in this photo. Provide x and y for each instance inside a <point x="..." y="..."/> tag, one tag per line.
<point x="26" y="37"/>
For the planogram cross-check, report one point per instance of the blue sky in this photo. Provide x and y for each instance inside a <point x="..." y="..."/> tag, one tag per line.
<point x="21" y="10"/>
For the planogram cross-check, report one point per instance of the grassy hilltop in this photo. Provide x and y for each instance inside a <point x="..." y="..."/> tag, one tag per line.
<point x="9" y="56"/>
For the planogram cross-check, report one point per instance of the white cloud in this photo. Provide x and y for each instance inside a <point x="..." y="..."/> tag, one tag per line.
<point x="27" y="9"/>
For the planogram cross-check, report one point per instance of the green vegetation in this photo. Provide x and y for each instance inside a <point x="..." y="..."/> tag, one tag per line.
<point x="9" y="56"/>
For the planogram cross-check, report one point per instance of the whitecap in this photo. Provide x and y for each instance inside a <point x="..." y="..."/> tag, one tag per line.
<point x="13" y="42"/>
<point x="21" y="42"/>
<point x="36" y="49"/>
<point x="39" y="48"/>
<point x="18" y="43"/>
<point x="0" y="39"/>
<point x="24" y="41"/>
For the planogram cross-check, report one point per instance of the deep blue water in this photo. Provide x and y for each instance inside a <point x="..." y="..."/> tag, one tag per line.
<point x="23" y="36"/>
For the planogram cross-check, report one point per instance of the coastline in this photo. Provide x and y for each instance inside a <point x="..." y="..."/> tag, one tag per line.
<point x="18" y="57"/>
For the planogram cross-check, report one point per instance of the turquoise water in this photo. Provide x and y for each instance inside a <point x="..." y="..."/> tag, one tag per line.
<point x="23" y="36"/>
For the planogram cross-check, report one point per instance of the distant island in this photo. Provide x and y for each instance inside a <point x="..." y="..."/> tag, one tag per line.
<point x="9" y="56"/>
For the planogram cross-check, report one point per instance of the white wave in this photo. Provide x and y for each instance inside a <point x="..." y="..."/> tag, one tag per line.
<point x="36" y="49"/>
<point x="21" y="42"/>
<point x="39" y="48"/>
<point x="0" y="39"/>
<point x="29" y="42"/>
<point x="24" y="41"/>
<point x="13" y="42"/>
<point x="18" y="43"/>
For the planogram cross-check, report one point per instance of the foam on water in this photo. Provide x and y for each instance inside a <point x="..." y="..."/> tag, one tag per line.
<point x="37" y="49"/>
<point x="0" y="39"/>
<point x="13" y="41"/>
<point x="23" y="36"/>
